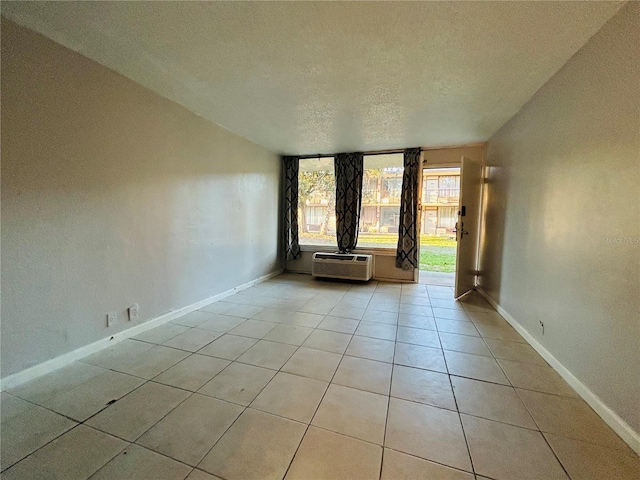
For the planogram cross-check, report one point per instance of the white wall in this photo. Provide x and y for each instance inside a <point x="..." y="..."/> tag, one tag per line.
<point x="563" y="178"/>
<point x="113" y="195"/>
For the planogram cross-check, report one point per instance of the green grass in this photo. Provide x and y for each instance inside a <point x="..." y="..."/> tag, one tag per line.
<point x="438" y="259"/>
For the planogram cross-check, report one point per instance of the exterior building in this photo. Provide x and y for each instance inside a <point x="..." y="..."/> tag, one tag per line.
<point x="381" y="190"/>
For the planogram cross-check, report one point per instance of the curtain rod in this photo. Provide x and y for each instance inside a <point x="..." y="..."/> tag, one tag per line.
<point x="376" y="152"/>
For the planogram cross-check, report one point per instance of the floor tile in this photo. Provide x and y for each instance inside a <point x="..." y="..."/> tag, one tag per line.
<point x="162" y="333"/>
<point x="450" y="314"/>
<point x="193" y="339"/>
<point x="499" y="332"/>
<point x="328" y="341"/>
<point x="136" y="413"/>
<point x="447" y="303"/>
<point x="193" y="319"/>
<point x="570" y="417"/>
<point x="56" y="382"/>
<point x="422" y="386"/>
<point x="417" y="336"/>
<point x="357" y="302"/>
<point x="377" y="330"/>
<point x="200" y="475"/>
<point x="246" y="298"/>
<point x="191" y="429"/>
<point x="385" y="306"/>
<point x="464" y="344"/>
<point x="421" y="310"/>
<point x="90" y="397"/>
<point x="353" y="412"/>
<point x="490" y="317"/>
<point x="475" y="366"/>
<point x="371" y="348"/>
<point x="304" y="319"/>
<point x="152" y="362"/>
<point x="290" y="334"/>
<point x="135" y="462"/>
<point x="229" y="347"/>
<point x="420" y="357"/>
<point x="10" y="406"/>
<point x="416" y="321"/>
<point x="416" y="300"/>
<point x="338" y="324"/>
<point x="397" y="466"/>
<point x="540" y="378"/>
<point x="268" y="354"/>
<point x="317" y="307"/>
<point x="427" y="432"/>
<point x="488" y="400"/>
<point x="506" y="452"/>
<point x="291" y="396"/>
<point x="457" y="327"/>
<point x="218" y="307"/>
<point x="312" y="363"/>
<point x="364" y="374"/>
<point x="378" y="316"/>
<point x="121" y="352"/>
<point x="253" y="329"/>
<point x="328" y="455"/>
<point x="273" y="315"/>
<point x="257" y="446"/>
<point x="88" y="448"/>
<point x="347" y="312"/>
<point x="244" y="311"/>
<point x="221" y="323"/>
<point x="193" y="372"/>
<point x="24" y="433"/>
<point x="238" y="383"/>
<point x="518" y="352"/>
<point x="586" y="461"/>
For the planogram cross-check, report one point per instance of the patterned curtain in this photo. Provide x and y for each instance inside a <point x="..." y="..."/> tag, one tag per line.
<point x="349" y="170"/>
<point x="407" y="253"/>
<point x="291" y="245"/>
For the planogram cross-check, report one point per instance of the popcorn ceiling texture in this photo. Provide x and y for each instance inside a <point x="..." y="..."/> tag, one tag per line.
<point x="309" y="77"/>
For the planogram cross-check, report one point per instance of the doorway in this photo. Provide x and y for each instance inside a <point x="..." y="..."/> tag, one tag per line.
<point x="440" y="202"/>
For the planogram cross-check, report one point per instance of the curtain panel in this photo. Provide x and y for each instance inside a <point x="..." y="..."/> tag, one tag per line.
<point x="349" y="169"/>
<point x="291" y="242"/>
<point x="407" y="252"/>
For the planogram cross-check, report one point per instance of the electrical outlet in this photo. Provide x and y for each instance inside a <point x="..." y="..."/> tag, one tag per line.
<point x="542" y="325"/>
<point x="133" y="312"/>
<point x="111" y="319"/>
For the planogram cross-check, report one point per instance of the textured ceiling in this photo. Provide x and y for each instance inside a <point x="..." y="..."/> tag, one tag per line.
<point x="312" y="77"/>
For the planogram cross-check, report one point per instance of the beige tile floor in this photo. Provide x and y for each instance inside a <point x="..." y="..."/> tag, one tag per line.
<point x="303" y="379"/>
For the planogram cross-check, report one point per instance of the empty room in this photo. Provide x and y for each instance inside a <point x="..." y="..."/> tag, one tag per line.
<point x="320" y="240"/>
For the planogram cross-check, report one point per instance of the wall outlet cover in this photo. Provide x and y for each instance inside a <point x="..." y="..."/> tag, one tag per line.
<point x="133" y="312"/>
<point x="111" y="319"/>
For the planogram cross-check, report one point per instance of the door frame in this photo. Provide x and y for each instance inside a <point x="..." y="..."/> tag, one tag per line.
<point x="424" y="166"/>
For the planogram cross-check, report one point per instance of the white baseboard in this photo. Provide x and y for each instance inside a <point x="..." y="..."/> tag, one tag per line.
<point x="30" y="373"/>
<point x="622" y="428"/>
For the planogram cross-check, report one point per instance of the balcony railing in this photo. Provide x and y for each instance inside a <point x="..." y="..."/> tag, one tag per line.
<point x="441" y="195"/>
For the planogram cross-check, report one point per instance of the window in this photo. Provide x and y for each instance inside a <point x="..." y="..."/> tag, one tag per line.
<point x="381" y="191"/>
<point x="316" y="202"/>
<point x="447" y="217"/>
<point x="449" y="186"/>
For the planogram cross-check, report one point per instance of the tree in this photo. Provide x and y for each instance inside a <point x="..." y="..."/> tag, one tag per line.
<point x="317" y="181"/>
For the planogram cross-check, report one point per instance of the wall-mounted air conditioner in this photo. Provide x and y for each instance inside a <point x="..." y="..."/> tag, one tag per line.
<point x="348" y="266"/>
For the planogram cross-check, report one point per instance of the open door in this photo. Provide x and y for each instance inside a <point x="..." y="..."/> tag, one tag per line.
<point x="467" y="227"/>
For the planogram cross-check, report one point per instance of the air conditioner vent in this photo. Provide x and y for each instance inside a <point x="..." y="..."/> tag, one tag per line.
<point x="345" y="266"/>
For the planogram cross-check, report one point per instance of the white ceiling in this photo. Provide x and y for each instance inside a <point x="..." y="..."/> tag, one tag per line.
<point x="324" y="77"/>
